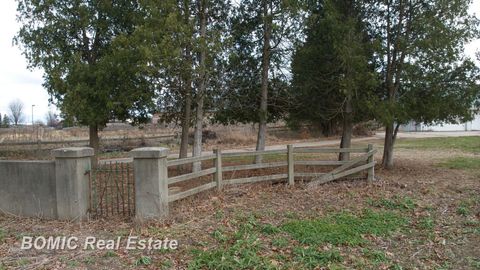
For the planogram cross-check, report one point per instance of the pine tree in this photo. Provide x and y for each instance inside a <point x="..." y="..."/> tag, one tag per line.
<point x="93" y="70"/>
<point x="420" y="55"/>
<point x="333" y="76"/>
<point x="263" y="34"/>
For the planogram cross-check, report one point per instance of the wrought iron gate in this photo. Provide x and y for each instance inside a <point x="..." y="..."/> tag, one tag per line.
<point x="112" y="190"/>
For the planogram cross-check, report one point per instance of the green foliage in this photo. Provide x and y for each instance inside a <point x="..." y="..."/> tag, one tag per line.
<point x="419" y="49"/>
<point x="143" y="260"/>
<point x="427" y="223"/>
<point x="280" y="242"/>
<point x="170" y="35"/>
<point x="463" y="209"/>
<point x="110" y="254"/>
<point x="239" y="252"/>
<point x="311" y="258"/>
<point x="93" y="69"/>
<point x="219" y="236"/>
<point x="240" y="249"/>
<point x="344" y="228"/>
<point x="396" y="202"/>
<point x="269" y="229"/>
<point x="375" y="256"/>
<point x="22" y="262"/>
<point x="5" y="122"/>
<point x="243" y="74"/>
<point x="333" y="65"/>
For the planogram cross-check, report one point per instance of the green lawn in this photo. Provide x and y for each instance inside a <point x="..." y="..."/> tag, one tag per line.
<point x="462" y="163"/>
<point x="467" y="144"/>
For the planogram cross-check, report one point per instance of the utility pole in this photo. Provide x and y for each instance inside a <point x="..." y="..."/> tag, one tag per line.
<point x="33" y="105"/>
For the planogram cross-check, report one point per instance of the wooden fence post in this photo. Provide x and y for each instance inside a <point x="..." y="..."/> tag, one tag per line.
<point x="218" y="166"/>
<point x="371" y="171"/>
<point x="290" y="161"/>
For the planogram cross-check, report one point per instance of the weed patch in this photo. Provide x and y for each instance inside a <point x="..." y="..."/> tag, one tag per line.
<point x="312" y="258"/>
<point x="144" y="260"/>
<point x="395" y="203"/>
<point x="344" y="228"/>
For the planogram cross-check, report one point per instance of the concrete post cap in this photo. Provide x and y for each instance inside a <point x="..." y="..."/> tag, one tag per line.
<point x="149" y="152"/>
<point x="73" y="152"/>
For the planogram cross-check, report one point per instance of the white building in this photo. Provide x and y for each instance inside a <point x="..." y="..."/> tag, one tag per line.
<point x="473" y="125"/>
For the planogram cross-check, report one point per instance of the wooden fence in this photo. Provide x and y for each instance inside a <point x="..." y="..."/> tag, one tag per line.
<point x="363" y="162"/>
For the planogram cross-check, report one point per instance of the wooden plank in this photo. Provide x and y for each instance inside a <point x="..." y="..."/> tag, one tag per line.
<point x="188" y="160"/>
<point x="188" y="176"/>
<point x="329" y="150"/>
<point x="291" y="167"/>
<point x="354" y="170"/>
<point x="320" y="162"/>
<point x="330" y="177"/>
<point x="255" y="179"/>
<point x="254" y="153"/>
<point x="191" y="192"/>
<point x="353" y="162"/>
<point x="371" y="171"/>
<point x="254" y="166"/>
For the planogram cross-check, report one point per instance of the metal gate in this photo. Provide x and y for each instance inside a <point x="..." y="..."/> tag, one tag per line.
<point x="112" y="190"/>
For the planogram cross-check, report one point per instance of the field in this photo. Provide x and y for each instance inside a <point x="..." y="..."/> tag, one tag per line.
<point x="423" y="214"/>
<point x="117" y="140"/>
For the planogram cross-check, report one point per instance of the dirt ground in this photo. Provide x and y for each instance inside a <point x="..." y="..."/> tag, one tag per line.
<point x="442" y="207"/>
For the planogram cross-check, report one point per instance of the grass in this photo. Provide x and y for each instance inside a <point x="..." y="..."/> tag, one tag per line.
<point x="344" y="228"/>
<point x="394" y="203"/>
<point x="462" y="163"/>
<point x="3" y="234"/>
<point x="312" y="258"/>
<point x="297" y="243"/>
<point x="143" y="260"/>
<point x="465" y="144"/>
<point x="463" y="208"/>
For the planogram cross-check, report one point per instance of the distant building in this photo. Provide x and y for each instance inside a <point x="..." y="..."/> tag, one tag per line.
<point x="473" y="125"/>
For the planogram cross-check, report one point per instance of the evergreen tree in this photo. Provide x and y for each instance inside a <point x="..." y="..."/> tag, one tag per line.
<point x="92" y="69"/>
<point x="6" y="121"/>
<point x="186" y="41"/>
<point x="333" y="75"/>
<point x="420" y="55"/>
<point x="262" y="35"/>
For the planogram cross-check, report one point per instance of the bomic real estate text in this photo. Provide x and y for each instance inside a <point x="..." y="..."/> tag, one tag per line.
<point x="94" y="243"/>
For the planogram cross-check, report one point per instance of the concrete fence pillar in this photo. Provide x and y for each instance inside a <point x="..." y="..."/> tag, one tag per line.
<point x="151" y="182"/>
<point x="72" y="166"/>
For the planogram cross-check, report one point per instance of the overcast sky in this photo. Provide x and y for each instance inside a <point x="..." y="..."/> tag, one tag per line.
<point x="16" y="81"/>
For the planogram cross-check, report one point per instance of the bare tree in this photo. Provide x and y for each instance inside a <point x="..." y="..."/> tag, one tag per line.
<point x="51" y="119"/>
<point x="16" y="108"/>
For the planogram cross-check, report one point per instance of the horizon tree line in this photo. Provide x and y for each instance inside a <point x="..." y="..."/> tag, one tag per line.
<point x="328" y="63"/>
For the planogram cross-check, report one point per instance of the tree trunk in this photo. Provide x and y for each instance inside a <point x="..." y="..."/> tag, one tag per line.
<point x="387" y="159"/>
<point x="187" y="111"/>
<point x="263" y="111"/>
<point x="197" y="141"/>
<point x="94" y="143"/>
<point x="347" y="130"/>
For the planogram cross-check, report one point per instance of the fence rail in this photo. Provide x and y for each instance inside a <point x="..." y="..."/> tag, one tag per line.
<point x="365" y="162"/>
